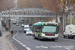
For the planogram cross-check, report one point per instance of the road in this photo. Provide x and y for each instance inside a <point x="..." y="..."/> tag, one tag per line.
<point x="23" y="42"/>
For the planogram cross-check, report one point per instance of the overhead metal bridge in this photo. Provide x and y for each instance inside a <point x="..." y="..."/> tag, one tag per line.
<point x="29" y="12"/>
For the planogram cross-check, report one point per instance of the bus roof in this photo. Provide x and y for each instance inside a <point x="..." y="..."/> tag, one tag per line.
<point x="42" y="23"/>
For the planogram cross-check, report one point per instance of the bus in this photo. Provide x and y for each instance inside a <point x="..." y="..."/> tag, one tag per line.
<point x="46" y="30"/>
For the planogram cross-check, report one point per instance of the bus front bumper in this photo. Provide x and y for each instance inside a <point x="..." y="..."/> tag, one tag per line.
<point x="42" y="37"/>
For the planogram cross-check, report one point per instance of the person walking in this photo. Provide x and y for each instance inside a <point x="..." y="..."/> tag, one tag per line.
<point x="12" y="32"/>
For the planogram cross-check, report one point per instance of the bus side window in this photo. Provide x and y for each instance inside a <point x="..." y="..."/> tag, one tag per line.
<point x="38" y="28"/>
<point x="57" y="29"/>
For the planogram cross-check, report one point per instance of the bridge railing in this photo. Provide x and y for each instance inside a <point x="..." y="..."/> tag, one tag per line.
<point x="28" y="12"/>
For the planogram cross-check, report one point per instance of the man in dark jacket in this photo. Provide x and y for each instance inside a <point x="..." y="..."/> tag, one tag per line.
<point x="12" y="32"/>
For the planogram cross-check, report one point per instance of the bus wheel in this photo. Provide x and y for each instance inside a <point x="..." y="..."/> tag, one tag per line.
<point x="64" y="36"/>
<point x="24" y="31"/>
<point x="53" y="39"/>
<point x="34" y="36"/>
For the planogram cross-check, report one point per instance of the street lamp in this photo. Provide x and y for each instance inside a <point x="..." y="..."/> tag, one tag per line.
<point x="9" y="19"/>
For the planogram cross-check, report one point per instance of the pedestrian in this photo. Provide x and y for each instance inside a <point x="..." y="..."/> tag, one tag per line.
<point x="12" y="32"/>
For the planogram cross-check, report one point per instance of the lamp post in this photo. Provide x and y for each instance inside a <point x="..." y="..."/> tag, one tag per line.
<point x="70" y="15"/>
<point x="9" y="19"/>
<point x="9" y="15"/>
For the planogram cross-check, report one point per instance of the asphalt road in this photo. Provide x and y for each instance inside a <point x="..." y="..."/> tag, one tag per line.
<point x="28" y="42"/>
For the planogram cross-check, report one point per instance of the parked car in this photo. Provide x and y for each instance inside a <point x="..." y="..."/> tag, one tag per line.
<point x="17" y="24"/>
<point x="29" y="32"/>
<point x="14" y="22"/>
<point x="23" y="25"/>
<point x="69" y="31"/>
<point x="26" y="27"/>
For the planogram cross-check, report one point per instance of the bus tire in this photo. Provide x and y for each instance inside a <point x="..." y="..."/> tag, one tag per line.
<point x="64" y="36"/>
<point x="34" y="36"/>
<point x="53" y="39"/>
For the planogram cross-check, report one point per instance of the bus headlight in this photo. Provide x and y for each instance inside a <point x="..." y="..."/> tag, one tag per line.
<point x="56" y="34"/>
<point x="42" y="34"/>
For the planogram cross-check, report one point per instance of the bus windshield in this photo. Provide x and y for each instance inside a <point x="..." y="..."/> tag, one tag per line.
<point x="49" y="29"/>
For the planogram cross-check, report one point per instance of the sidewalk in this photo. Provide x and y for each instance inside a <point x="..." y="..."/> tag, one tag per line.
<point x="4" y="42"/>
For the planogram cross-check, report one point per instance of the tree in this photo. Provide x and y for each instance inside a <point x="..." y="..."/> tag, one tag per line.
<point x="53" y="5"/>
<point x="5" y="3"/>
<point x="65" y="4"/>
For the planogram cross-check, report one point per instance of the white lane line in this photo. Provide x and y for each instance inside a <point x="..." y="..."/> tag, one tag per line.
<point x="37" y="47"/>
<point x="24" y="45"/>
<point x="28" y="48"/>
<point x="20" y="42"/>
<point x="12" y="43"/>
<point x="42" y="47"/>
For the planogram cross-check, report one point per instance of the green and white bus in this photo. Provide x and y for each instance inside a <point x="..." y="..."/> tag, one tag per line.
<point x="46" y="30"/>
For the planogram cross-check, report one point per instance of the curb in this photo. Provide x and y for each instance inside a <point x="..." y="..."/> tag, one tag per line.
<point x="10" y="45"/>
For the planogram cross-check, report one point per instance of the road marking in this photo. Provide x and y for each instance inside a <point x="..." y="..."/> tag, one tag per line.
<point x="23" y="45"/>
<point x="12" y="44"/>
<point x="37" y="47"/>
<point x="28" y="48"/>
<point x="20" y="42"/>
<point x="69" y="47"/>
<point x="45" y="47"/>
